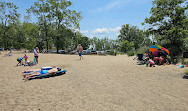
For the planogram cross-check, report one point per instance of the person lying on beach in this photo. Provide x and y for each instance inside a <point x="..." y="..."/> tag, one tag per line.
<point x="43" y="72"/>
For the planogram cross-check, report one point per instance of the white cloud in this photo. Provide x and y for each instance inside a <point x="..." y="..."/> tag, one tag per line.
<point x="98" y="30"/>
<point x="105" y="30"/>
<point x="84" y="31"/>
<point x="117" y="29"/>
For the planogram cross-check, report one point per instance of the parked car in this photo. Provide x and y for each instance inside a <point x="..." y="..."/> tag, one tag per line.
<point x="100" y="52"/>
<point x="93" y="52"/>
<point x="107" y="51"/>
<point x="54" y="51"/>
<point x="72" y="51"/>
<point x="63" y="51"/>
<point x="84" y="52"/>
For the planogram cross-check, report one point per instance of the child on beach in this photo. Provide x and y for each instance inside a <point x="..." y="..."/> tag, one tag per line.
<point x="19" y="59"/>
<point x="25" y="57"/>
<point x="150" y="62"/>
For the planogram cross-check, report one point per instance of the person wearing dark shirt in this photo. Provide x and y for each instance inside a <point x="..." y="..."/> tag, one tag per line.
<point x="150" y="55"/>
<point x="160" y="57"/>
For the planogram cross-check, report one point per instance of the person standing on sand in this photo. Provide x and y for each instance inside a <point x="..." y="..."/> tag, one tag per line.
<point x="80" y="49"/>
<point x="36" y="54"/>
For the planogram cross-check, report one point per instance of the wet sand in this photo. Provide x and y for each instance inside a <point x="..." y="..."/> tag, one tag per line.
<point x="97" y="83"/>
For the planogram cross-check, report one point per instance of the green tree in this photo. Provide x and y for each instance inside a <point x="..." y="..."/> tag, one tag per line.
<point x="169" y="22"/>
<point x="126" y="46"/>
<point x="131" y="34"/>
<point x="83" y="40"/>
<point x="63" y="16"/>
<point x="31" y="34"/>
<point x="8" y="18"/>
<point x="41" y="9"/>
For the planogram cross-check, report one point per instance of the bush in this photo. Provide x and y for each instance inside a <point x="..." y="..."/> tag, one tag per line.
<point x="126" y="46"/>
<point x="169" y="59"/>
<point x="142" y="50"/>
<point x="130" y="53"/>
<point x="112" y="52"/>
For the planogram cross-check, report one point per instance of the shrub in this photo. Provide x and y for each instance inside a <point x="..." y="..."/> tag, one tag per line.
<point x="130" y="53"/>
<point x="142" y="50"/>
<point x="169" y="59"/>
<point x="112" y="52"/>
<point x="126" y="46"/>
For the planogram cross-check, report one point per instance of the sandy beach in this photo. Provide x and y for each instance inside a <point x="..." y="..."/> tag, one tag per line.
<point x="97" y="83"/>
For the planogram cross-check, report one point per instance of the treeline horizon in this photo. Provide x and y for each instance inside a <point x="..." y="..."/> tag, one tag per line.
<point x="167" y="25"/>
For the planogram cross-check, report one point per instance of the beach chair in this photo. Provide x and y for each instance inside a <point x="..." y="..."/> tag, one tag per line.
<point x="140" y="60"/>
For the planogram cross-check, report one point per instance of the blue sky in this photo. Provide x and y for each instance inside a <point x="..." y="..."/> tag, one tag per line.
<point x="102" y="18"/>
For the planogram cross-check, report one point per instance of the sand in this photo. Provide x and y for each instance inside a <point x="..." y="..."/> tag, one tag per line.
<point x="97" y="83"/>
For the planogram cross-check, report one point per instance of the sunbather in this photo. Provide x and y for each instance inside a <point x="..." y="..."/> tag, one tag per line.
<point x="43" y="72"/>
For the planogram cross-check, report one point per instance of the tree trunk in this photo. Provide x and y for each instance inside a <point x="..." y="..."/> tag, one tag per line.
<point x="57" y="48"/>
<point x="46" y="30"/>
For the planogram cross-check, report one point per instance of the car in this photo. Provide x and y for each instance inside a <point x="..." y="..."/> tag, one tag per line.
<point x="54" y="51"/>
<point x="107" y="51"/>
<point x="63" y="51"/>
<point x="72" y="51"/>
<point x="84" y="52"/>
<point x="93" y="52"/>
<point x="100" y="52"/>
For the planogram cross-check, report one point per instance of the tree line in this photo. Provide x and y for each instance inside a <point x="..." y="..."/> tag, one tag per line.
<point x="53" y="27"/>
<point x="167" y="26"/>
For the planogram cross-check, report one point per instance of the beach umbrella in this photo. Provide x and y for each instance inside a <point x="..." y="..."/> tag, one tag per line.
<point x="165" y="51"/>
<point x="154" y="50"/>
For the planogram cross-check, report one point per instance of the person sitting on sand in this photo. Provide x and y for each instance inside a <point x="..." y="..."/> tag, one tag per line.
<point x="145" y="55"/>
<point x="51" y="71"/>
<point x="150" y="62"/>
<point x="9" y="53"/>
<point x="19" y="59"/>
<point x="150" y="55"/>
<point x="160" y="57"/>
